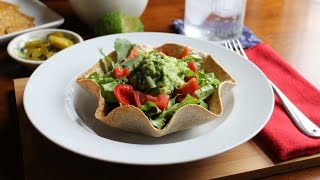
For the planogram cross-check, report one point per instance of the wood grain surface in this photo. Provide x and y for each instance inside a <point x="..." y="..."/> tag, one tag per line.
<point x="291" y="27"/>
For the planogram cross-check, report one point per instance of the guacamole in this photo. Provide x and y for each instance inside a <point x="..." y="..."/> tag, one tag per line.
<point x="158" y="73"/>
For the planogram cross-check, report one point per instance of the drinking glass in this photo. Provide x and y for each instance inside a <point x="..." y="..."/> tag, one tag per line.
<point x="214" y="20"/>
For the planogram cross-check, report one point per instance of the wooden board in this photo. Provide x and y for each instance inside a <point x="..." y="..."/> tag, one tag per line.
<point x="45" y="160"/>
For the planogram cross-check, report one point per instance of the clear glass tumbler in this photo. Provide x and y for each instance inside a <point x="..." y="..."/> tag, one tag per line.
<point x="214" y="20"/>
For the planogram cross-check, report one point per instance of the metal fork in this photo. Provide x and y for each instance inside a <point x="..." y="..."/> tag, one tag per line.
<point x="304" y="124"/>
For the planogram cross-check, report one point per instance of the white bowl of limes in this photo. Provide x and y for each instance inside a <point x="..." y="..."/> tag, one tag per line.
<point x="91" y="11"/>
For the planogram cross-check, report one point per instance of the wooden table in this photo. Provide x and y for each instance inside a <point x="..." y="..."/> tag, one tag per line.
<point x="291" y="27"/>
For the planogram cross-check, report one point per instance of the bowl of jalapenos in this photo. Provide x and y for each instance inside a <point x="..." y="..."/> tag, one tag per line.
<point x="33" y="48"/>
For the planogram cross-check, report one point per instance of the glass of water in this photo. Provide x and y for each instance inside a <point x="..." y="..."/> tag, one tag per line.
<point x="214" y="20"/>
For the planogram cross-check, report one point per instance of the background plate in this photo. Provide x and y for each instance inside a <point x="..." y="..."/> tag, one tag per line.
<point x="56" y="106"/>
<point x="44" y="17"/>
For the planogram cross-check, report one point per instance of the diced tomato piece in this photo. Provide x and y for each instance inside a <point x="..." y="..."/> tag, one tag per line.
<point x="161" y="100"/>
<point x="126" y="72"/>
<point x="124" y="94"/>
<point x="187" y="78"/>
<point x="133" y="53"/>
<point x="194" y="95"/>
<point x="119" y="72"/>
<point x="189" y="87"/>
<point x="192" y="65"/>
<point x="185" y="52"/>
<point x="139" y="98"/>
<point x="180" y="97"/>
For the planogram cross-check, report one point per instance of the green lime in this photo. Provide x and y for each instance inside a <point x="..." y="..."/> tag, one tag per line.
<point x="132" y="24"/>
<point x="116" y="22"/>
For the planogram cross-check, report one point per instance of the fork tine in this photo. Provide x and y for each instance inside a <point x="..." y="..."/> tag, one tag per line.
<point x="229" y="45"/>
<point x="241" y="49"/>
<point x="236" y="47"/>
<point x="226" y="45"/>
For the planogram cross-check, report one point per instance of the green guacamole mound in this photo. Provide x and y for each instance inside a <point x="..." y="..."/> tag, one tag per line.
<point x="158" y="73"/>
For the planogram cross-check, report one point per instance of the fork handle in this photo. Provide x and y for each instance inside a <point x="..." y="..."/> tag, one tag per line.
<point x="299" y="119"/>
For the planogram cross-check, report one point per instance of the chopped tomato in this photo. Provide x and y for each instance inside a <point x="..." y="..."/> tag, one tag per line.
<point x="161" y="100"/>
<point x="192" y="65"/>
<point x="124" y="94"/>
<point x="193" y="94"/>
<point x="133" y="53"/>
<point x="185" y="52"/>
<point x="139" y="98"/>
<point x="187" y="78"/>
<point x="189" y="87"/>
<point x="126" y="72"/>
<point x="180" y="97"/>
<point x="119" y="72"/>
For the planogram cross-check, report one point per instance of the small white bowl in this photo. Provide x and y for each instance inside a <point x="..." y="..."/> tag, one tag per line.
<point x="90" y="11"/>
<point x="16" y="44"/>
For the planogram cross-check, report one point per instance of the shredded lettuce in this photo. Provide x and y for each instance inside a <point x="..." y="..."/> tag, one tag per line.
<point x="204" y="91"/>
<point x="192" y="57"/>
<point x="122" y="48"/>
<point x="154" y="114"/>
<point x="158" y="118"/>
<point x="208" y="83"/>
<point x="132" y="63"/>
<point x="107" y="85"/>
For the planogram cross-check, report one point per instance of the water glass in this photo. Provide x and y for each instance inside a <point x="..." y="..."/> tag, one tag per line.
<point x="214" y="20"/>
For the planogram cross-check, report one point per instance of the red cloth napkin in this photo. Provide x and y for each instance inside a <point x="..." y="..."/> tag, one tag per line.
<point x="280" y="134"/>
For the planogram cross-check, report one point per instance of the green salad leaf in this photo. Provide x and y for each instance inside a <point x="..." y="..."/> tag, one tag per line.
<point x="158" y="118"/>
<point x="122" y="48"/>
<point x="208" y="83"/>
<point x="107" y="85"/>
<point x="154" y="114"/>
<point x="132" y="63"/>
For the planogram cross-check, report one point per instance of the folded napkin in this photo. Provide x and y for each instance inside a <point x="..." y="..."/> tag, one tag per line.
<point x="280" y="134"/>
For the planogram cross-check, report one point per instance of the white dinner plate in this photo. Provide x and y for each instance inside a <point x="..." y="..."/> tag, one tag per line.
<point x="43" y="16"/>
<point x="57" y="107"/>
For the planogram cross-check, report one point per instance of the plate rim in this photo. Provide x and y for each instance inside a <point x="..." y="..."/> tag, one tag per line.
<point x="140" y="162"/>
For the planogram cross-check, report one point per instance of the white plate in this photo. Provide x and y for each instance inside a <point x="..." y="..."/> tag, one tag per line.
<point x="56" y="105"/>
<point x="43" y="16"/>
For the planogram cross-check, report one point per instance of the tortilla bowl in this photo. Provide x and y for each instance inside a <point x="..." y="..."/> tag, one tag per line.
<point x="131" y="118"/>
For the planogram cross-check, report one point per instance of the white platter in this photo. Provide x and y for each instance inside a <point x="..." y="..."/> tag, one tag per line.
<point x="44" y="17"/>
<point x="57" y="106"/>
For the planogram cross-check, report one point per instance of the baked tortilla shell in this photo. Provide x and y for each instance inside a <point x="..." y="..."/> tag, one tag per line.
<point x="131" y="118"/>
